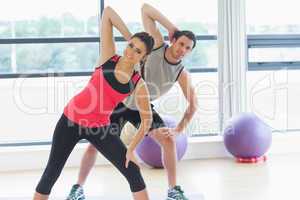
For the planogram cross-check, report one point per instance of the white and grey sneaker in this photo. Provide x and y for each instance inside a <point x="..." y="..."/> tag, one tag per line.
<point x="76" y="193"/>
<point x="176" y="193"/>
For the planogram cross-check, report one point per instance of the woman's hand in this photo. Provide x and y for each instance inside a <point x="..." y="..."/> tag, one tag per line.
<point x="130" y="156"/>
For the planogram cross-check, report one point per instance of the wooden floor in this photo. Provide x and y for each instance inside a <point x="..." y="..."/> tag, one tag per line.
<point x="215" y="179"/>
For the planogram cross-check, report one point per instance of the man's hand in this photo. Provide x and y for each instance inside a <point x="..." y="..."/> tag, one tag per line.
<point x="172" y="132"/>
<point x="161" y="131"/>
<point x="164" y="132"/>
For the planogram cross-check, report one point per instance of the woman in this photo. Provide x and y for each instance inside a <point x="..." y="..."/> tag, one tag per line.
<point x="87" y="114"/>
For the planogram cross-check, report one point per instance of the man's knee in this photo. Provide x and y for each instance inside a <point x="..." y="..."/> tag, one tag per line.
<point x="91" y="150"/>
<point x="169" y="142"/>
<point x="160" y="136"/>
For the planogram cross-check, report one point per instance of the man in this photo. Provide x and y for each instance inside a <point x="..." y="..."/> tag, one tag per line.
<point x="161" y="70"/>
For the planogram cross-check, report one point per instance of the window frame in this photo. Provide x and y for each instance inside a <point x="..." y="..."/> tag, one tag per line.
<point x="272" y="41"/>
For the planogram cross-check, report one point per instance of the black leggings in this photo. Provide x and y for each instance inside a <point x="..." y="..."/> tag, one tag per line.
<point x="67" y="134"/>
<point x="122" y="114"/>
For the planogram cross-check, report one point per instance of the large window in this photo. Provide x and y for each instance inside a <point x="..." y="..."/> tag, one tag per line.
<point x="274" y="62"/>
<point x="29" y="32"/>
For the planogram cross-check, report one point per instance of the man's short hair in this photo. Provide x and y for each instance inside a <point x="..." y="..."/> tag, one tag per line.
<point x="186" y="33"/>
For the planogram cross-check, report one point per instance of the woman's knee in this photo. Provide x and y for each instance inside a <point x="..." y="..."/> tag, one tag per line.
<point x="91" y="150"/>
<point x="134" y="178"/>
<point x="47" y="181"/>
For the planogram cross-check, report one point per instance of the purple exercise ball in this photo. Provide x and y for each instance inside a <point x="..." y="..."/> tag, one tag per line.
<point x="149" y="151"/>
<point x="247" y="136"/>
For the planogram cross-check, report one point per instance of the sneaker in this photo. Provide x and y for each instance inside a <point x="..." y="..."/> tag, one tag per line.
<point x="176" y="193"/>
<point x="76" y="193"/>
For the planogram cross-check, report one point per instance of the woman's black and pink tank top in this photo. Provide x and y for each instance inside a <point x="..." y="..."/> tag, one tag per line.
<point x="93" y="106"/>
